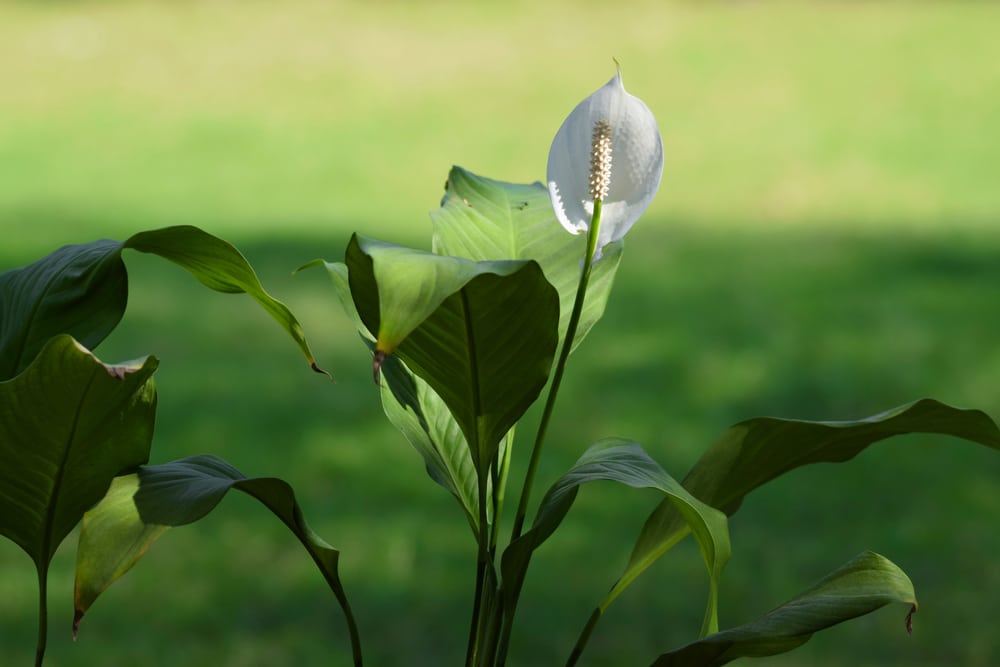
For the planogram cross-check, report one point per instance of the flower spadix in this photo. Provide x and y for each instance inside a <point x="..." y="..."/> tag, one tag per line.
<point x="608" y="149"/>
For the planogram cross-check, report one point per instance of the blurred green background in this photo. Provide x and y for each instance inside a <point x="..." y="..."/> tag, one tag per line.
<point x="825" y="245"/>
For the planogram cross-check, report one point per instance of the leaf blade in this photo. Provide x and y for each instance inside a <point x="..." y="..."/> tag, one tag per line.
<point x="860" y="586"/>
<point x="79" y="290"/>
<point x="749" y="455"/>
<point x="119" y="531"/>
<point x="486" y="220"/>
<point x="481" y="334"/>
<point x="218" y="265"/>
<point x="626" y="463"/>
<point x="68" y="425"/>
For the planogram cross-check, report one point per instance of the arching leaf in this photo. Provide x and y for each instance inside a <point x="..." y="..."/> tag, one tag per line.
<point x="756" y="451"/>
<point x="119" y="531"/>
<point x="866" y="583"/>
<point x="626" y="463"/>
<point x="82" y="290"/>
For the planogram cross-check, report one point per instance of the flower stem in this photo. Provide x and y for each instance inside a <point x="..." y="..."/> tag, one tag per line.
<point x="550" y="402"/>
<point x="567" y="345"/>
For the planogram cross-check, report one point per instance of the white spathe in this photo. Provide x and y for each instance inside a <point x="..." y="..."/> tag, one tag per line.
<point x="636" y="163"/>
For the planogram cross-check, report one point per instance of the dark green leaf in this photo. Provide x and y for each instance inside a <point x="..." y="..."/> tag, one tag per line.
<point x="80" y="290"/>
<point x="859" y="587"/>
<point x="68" y="425"/>
<point x="486" y="220"/>
<point x="117" y="533"/>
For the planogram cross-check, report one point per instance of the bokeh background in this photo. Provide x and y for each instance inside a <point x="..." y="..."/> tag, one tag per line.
<point x="825" y="245"/>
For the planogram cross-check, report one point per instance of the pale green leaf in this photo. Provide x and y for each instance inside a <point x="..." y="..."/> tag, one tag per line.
<point x="484" y="220"/>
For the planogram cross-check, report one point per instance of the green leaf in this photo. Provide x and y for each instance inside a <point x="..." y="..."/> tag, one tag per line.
<point x="420" y="415"/>
<point x="221" y="267"/>
<point x="861" y="586"/>
<point x="68" y="425"/>
<point x="427" y="424"/>
<point x="481" y="334"/>
<point x="485" y="220"/>
<point x="756" y="451"/>
<point x="626" y="463"/>
<point x="82" y="290"/>
<point x="119" y="531"/>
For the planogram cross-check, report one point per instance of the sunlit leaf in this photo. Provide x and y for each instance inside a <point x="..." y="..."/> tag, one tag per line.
<point x="866" y="583"/>
<point x="481" y="334"/>
<point x="626" y="463"/>
<point x="487" y="220"/>
<point x="119" y="531"/>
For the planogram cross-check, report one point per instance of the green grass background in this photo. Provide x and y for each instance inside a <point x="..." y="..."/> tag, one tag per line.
<point x="824" y="246"/>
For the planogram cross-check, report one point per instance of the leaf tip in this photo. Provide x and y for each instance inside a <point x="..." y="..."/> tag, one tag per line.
<point x="77" y="617"/>
<point x="377" y="362"/>
<point x="313" y="365"/>
<point x="909" y="619"/>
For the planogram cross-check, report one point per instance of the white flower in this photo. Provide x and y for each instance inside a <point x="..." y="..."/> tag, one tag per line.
<point x="608" y="148"/>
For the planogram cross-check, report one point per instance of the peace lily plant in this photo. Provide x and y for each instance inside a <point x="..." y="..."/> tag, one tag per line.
<point x="464" y="340"/>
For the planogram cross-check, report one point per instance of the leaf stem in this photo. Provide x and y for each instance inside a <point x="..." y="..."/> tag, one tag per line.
<point x="43" y="615"/>
<point x="483" y="537"/>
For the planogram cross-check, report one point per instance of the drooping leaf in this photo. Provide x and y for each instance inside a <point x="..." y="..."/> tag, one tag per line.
<point x="82" y="290"/>
<point x="118" y="531"/>
<point x="481" y="334"/>
<point x="68" y="425"/>
<point x="626" y="463"/>
<point x="756" y="451"/>
<point x="866" y="583"/>
<point x="485" y="220"/>
<point x="221" y="267"/>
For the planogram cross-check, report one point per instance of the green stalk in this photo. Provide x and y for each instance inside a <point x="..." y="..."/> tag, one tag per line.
<point x="482" y="536"/>
<point x="567" y="345"/>
<point x="43" y="615"/>
<point x="550" y="402"/>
